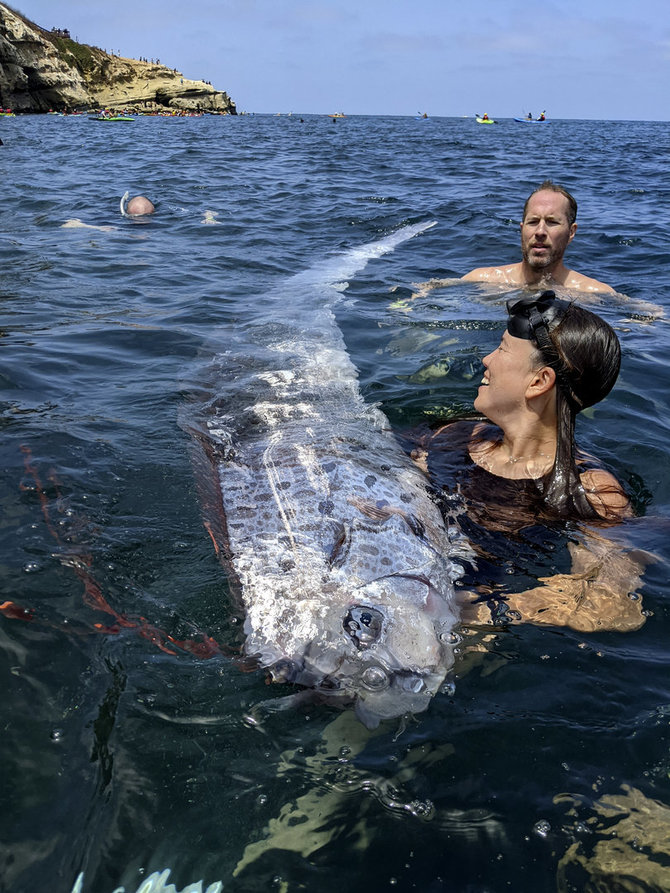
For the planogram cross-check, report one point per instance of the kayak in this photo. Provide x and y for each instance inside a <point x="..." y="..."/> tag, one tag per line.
<point x="111" y="118"/>
<point x="485" y="121"/>
<point x="532" y="120"/>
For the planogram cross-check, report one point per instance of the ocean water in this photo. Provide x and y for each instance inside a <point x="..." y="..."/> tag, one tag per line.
<point x="544" y="765"/>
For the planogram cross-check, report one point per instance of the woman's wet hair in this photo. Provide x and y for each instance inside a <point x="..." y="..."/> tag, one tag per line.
<point x="585" y="354"/>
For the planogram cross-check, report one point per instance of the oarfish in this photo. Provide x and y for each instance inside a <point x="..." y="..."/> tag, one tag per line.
<point x="340" y="556"/>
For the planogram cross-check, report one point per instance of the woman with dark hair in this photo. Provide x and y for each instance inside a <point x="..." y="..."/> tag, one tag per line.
<point x="556" y="358"/>
<point x="514" y="478"/>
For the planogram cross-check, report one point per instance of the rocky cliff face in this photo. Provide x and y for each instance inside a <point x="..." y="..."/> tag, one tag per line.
<point x="42" y="70"/>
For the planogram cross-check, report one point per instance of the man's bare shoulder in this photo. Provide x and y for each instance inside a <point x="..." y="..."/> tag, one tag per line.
<point x="579" y="282"/>
<point x="508" y="274"/>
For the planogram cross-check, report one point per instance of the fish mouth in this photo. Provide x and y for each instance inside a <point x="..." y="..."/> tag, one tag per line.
<point x="400" y="695"/>
<point x="385" y="687"/>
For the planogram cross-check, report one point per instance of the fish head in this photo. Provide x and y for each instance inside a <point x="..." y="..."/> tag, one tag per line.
<point x="388" y="652"/>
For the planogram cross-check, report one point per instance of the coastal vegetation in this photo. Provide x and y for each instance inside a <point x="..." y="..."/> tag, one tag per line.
<point x="76" y="55"/>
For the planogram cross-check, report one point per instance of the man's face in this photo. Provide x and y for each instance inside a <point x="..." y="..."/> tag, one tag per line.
<point x="545" y="231"/>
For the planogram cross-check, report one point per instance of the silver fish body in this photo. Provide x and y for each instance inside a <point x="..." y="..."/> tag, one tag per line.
<point x="342" y="560"/>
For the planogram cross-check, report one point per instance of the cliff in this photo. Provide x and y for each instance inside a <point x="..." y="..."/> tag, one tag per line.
<point x="42" y="70"/>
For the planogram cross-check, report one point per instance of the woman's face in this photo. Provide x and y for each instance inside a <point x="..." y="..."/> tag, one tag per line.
<point x="508" y="370"/>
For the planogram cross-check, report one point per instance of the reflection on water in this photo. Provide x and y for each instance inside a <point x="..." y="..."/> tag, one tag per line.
<point x="622" y="842"/>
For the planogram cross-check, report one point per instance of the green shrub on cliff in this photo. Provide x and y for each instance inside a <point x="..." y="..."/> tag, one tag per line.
<point x="76" y="55"/>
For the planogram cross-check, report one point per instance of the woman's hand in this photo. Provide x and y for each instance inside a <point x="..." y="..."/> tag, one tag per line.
<point x="601" y="593"/>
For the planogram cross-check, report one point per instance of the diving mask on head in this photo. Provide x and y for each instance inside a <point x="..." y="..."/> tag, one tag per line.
<point x="530" y="318"/>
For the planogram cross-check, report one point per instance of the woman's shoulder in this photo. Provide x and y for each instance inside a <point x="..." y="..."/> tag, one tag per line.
<point x="442" y="445"/>
<point x="606" y="494"/>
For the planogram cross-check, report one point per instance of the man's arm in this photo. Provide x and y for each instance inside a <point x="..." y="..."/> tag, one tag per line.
<point x="423" y="288"/>
<point x="499" y="275"/>
<point x="503" y="274"/>
<point x="481" y="274"/>
<point x="75" y="223"/>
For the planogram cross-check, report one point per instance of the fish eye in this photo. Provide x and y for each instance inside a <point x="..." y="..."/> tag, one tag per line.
<point x="375" y="679"/>
<point x="364" y="625"/>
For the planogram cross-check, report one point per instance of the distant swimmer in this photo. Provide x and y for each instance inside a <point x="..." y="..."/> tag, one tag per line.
<point x="210" y="218"/>
<point x="137" y="206"/>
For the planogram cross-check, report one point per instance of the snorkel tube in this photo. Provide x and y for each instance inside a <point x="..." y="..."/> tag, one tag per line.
<point x="122" y="204"/>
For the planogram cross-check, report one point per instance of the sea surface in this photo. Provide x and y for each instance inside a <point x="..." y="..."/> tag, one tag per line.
<point x="128" y="745"/>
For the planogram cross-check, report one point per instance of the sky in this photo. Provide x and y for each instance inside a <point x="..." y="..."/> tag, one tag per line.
<point x="593" y="59"/>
